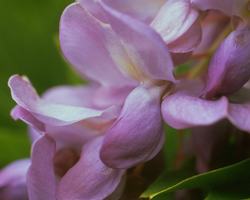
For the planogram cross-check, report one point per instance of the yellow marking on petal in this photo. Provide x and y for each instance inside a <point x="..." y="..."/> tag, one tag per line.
<point x="126" y="59"/>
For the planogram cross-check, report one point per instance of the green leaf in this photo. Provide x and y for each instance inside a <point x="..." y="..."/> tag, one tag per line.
<point x="174" y="147"/>
<point x="166" y="180"/>
<point x="28" y="29"/>
<point x="227" y="175"/>
<point x="170" y="147"/>
<point x="230" y="192"/>
<point x="14" y="145"/>
<point x="28" y="47"/>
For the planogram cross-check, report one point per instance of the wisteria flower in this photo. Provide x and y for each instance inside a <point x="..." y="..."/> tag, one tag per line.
<point x="83" y="38"/>
<point x="223" y="95"/>
<point x="65" y="173"/>
<point x="86" y="137"/>
<point x="133" y="48"/>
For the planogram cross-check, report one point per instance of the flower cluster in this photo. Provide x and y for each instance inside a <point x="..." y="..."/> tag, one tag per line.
<point x="86" y="137"/>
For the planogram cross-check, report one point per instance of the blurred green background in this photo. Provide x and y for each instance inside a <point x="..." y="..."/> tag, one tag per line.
<point x="28" y="46"/>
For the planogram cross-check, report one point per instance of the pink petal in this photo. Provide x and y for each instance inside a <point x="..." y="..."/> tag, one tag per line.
<point x="41" y="179"/>
<point x="85" y="42"/>
<point x="177" y="24"/>
<point x="49" y="113"/>
<point x="146" y="50"/>
<point x="137" y="135"/>
<point x="89" y="178"/>
<point x="182" y="110"/>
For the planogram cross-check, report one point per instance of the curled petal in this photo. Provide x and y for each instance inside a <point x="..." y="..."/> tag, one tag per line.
<point x="229" y="69"/>
<point x="137" y="135"/>
<point x="41" y="180"/>
<point x="84" y="42"/>
<point x="20" y="113"/>
<point x="178" y="26"/>
<point x="89" y="178"/>
<point x="181" y="110"/>
<point x="147" y="51"/>
<point x="52" y="114"/>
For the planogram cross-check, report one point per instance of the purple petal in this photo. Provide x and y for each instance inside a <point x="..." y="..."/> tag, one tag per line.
<point x="20" y="113"/>
<point x="34" y="134"/>
<point x="229" y="69"/>
<point x="212" y="25"/>
<point x="118" y="193"/>
<point x="89" y="178"/>
<point x="144" y="10"/>
<point x="86" y="42"/>
<point x="41" y="180"/>
<point x="13" y="181"/>
<point x="229" y="7"/>
<point x="14" y="173"/>
<point x="88" y="96"/>
<point x="53" y="114"/>
<point x="77" y="95"/>
<point x="188" y="41"/>
<point x="177" y="23"/>
<point x="94" y="8"/>
<point x="74" y="135"/>
<point x="14" y="192"/>
<point x="239" y="116"/>
<point x="137" y="135"/>
<point x="144" y="47"/>
<point x="182" y="110"/>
